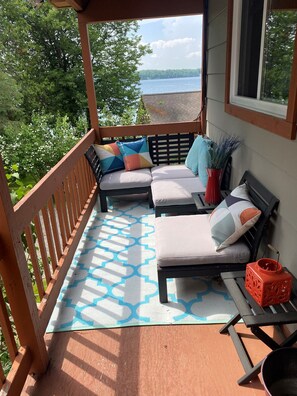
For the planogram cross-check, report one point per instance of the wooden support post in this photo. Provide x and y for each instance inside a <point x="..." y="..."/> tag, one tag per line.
<point x="88" y="69"/>
<point x="204" y="67"/>
<point x="17" y="282"/>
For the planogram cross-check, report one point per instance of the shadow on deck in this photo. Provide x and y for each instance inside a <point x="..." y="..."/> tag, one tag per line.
<point x="152" y="360"/>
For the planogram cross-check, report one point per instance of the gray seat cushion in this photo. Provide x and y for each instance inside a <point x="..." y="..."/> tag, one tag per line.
<point x="178" y="171"/>
<point x="186" y="240"/>
<point x="126" y="179"/>
<point x="175" y="191"/>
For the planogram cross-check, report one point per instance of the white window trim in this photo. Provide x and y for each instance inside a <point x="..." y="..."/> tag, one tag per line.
<point x="274" y="109"/>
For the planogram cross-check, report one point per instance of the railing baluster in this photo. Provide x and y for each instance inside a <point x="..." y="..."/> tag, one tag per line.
<point x="69" y="204"/>
<point x="55" y="232"/>
<point x="80" y="186"/>
<point x="43" y="252"/>
<point x="34" y="259"/>
<point x="85" y="178"/>
<point x="64" y="212"/>
<point x="49" y="238"/>
<point x="88" y="174"/>
<point x="2" y="375"/>
<point x="6" y="329"/>
<point x="73" y="193"/>
<point x="79" y="193"/>
<point x="91" y="176"/>
<point x="60" y="218"/>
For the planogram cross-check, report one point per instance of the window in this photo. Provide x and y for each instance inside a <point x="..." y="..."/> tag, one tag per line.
<point x="262" y="60"/>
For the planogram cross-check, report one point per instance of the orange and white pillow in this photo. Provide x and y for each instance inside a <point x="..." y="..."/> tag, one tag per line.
<point x="233" y="217"/>
<point x="136" y="154"/>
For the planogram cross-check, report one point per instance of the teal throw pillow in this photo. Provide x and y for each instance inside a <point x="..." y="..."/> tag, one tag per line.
<point x="192" y="157"/>
<point x="204" y="159"/>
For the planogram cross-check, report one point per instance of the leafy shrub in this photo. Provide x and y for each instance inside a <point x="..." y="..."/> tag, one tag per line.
<point x="17" y="187"/>
<point x="38" y="146"/>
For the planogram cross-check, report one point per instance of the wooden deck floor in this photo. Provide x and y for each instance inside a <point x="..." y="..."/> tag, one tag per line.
<point x="153" y="360"/>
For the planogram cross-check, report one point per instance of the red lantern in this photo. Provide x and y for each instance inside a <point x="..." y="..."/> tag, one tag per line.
<point x="267" y="282"/>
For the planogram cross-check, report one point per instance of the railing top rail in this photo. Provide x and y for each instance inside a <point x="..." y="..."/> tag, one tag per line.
<point x="151" y="129"/>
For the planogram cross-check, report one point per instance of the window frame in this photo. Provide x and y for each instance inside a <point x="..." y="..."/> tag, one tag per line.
<point x="282" y="126"/>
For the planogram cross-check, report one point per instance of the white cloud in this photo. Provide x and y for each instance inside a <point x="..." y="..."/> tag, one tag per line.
<point x="176" y="43"/>
<point x="195" y="54"/>
<point x="160" y="44"/>
<point x="182" y="27"/>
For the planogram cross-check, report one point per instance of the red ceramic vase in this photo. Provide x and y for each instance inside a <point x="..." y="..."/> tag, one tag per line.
<point x="213" y="191"/>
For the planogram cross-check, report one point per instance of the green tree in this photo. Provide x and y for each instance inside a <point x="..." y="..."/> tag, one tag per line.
<point x="36" y="147"/>
<point x="116" y="53"/>
<point x="40" y="48"/>
<point x="18" y="189"/>
<point x="10" y="100"/>
<point x="151" y="74"/>
<point x="278" y="55"/>
<point x="143" y="116"/>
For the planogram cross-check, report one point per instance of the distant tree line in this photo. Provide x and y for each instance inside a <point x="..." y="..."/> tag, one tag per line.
<point x="170" y="73"/>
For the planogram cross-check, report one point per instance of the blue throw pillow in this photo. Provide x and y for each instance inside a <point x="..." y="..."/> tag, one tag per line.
<point x="204" y="158"/>
<point x="193" y="154"/>
<point x="110" y="157"/>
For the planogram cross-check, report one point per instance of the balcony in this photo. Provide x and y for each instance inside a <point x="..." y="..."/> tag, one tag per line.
<point x="133" y="360"/>
<point x="165" y="360"/>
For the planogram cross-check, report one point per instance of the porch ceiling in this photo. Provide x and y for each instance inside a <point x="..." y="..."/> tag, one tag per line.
<point x="113" y="10"/>
<point x="78" y="5"/>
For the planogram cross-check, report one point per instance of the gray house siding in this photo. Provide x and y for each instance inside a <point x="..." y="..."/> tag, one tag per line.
<point x="271" y="158"/>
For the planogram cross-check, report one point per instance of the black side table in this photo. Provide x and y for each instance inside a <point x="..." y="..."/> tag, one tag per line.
<point x="254" y="316"/>
<point x="204" y="207"/>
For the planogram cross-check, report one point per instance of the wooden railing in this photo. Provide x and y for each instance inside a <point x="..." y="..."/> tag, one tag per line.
<point x="151" y="129"/>
<point x="49" y="217"/>
<point x="38" y="238"/>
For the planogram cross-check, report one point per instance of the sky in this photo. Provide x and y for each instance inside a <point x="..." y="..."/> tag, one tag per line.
<point x="176" y="42"/>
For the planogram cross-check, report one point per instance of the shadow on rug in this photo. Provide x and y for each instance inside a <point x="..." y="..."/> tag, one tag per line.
<point x="112" y="281"/>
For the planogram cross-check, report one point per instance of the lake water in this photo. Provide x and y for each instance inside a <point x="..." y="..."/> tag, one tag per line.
<point x="167" y="85"/>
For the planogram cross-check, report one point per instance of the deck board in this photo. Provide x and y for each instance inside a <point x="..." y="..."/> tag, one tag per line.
<point x="153" y="360"/>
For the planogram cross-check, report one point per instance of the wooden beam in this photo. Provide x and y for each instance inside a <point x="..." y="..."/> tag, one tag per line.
<point x="88" y="71"/>
<point x="284" y="5"/>
<point x="77" y="5"/>
<point x="117" y="10"/>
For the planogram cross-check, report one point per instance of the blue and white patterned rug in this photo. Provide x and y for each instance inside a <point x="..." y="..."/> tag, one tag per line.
<point x="112" y="281"/>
